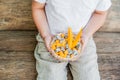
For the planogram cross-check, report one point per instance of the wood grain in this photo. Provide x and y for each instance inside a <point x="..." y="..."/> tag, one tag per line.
<point x="22" y="66"/>
<point x="17" y="40"/>
<point x="17" y="15"/>
<point x="17" y="55"/>
<point x="107" y="42"/>
<point x="113" y="19"/>
<point x="25" y="41"/>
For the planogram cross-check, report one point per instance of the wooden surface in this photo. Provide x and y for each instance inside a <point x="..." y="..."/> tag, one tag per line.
<point x="16" y="15"/>
<point x="17" y="42"/>
<point x="17" y="60"/>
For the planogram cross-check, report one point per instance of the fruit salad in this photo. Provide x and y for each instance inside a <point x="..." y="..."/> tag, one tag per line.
<point x="66" y="45"/>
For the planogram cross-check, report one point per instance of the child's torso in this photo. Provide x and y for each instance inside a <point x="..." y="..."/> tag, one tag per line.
<point x="64" y="13"/>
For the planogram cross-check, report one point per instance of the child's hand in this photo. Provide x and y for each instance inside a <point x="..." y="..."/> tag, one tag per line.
<point x="84" y="41"/>
<point x="47" y="41"/>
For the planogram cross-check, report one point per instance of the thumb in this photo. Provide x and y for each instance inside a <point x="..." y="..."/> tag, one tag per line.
<point x="83" y="45"/>
<point x="47" y="43"/>
<point x="48" y="47"/>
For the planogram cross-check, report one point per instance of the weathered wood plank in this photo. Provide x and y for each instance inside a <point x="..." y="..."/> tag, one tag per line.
<point x="109" y="65"/>
<point x="16" y="15"/>
<point x="25" y="41"/>
<point x="109" y="61"/>
<point x="16" y="56"/>
<point x="107" y="42"/>
<point x="17" y="66"/>
<point x="17" y="70"/>
<point x="105" y="59"/>
<point x="17" y="60"/>
<point x="113" y="19"/>
<point x="17" y="40"/>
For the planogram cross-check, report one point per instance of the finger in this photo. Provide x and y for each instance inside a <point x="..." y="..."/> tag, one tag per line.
<point x="52" y="36"/>
<point x="83" y="46"/>
<point x="81" y="41"/>
<point x="47" y="43"/>
<point x="48" y="47"/>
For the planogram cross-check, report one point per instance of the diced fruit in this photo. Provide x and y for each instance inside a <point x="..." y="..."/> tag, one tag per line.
<point x="62" y="35"/>
<point x="72" y="55"/>
<point x="66" y="52"/>
<point x="57" y="41"/>
<point x="53" y="46"/>
<point x="66" y="46"/>
<point x="77" y="38"/>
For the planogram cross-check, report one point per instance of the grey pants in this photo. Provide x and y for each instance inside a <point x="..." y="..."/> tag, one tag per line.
<point x="48" y="68"/>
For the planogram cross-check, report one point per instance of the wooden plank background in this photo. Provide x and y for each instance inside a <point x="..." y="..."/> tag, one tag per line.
<point x="17" y="42"/>
<point x="16" y="15"/>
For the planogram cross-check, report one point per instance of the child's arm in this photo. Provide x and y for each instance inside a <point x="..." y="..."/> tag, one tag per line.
<point x="38" y="12"/>
<point x="40" y="18"/>
<point x="96" y="21"/>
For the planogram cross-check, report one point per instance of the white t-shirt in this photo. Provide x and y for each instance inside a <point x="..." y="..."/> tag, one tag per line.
<point x="62" y="14"/>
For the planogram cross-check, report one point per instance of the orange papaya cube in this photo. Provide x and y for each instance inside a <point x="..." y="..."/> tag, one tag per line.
<point x="58" y="53"/>
<point x="57" y="41"/>
<point x="53" y="46"/>
<point x="65" y="55"/>
<point x="61" y="54"/>
<point x="62" y="35"/>
<point x="72" y="55"/>
<point x="66" y="52"/>
<point x="58" y="44"/>
<point x="63" y="43"/>
<point x="73" y="48"/>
